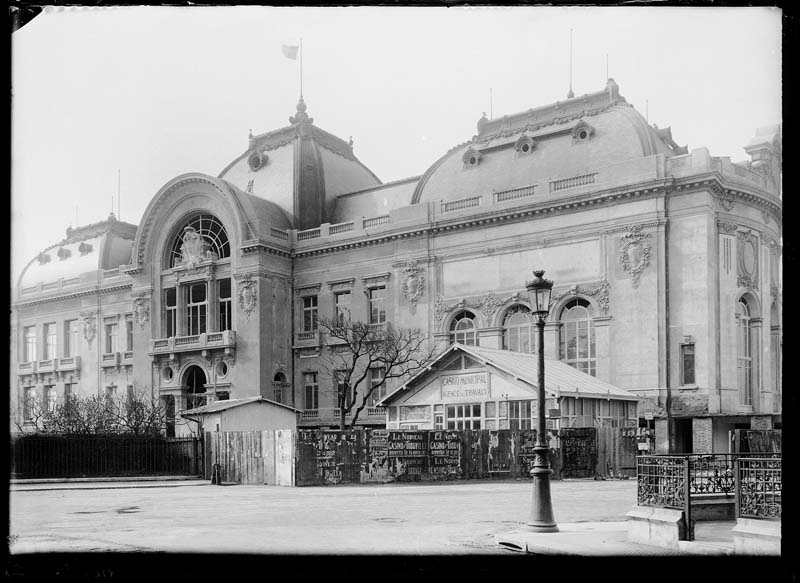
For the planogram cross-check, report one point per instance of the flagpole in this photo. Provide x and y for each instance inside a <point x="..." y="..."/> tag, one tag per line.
<point x="301" y="67"/>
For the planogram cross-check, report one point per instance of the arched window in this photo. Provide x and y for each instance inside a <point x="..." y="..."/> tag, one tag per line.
<point x="463" y="329"/>
<point x="279" y="386"/>
<point x="577" y="337"/>
<point x="212" y="235"/>
<point x="518" y="333"/>
<point x="744" y="360"/>
<point x="775" y="349"/>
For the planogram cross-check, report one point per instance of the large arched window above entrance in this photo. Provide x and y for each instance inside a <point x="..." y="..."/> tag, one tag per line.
<point x="518" y="330"/>
<point x="578" y="337"/>
<point x="463" y="329"/>
<point x="212" y="234"/>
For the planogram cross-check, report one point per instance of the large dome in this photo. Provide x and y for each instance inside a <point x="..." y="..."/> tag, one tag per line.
<point x="561" y="140"/>
<point x="301" y="168"/>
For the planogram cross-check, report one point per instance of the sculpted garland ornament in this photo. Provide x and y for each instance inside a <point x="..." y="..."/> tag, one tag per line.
<point x="413" y="284"/>
<point x="247" y="294"/>
<point x="89" y="329"/>
<point x="141" y="311"/>
<point x="634" y="253"/>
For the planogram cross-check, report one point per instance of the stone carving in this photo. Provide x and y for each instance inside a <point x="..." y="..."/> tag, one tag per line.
<point x="634" y="252"/>
<point x="247" y="294"/>
<point x="193" y="249"/>
<point x="413" y="284"/>
<point x="765" y="217"/>
<point x="726" y="200"/>
<point x="747" y="245"/>
<point x="489" y="304"/>
<point x="726" y="227"/>
<point x="141" y="311"/>
<point x="599" y="291"/>
<point x="89" y="329"/>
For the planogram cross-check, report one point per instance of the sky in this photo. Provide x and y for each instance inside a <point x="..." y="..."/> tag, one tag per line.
<point x="109" y="104"/>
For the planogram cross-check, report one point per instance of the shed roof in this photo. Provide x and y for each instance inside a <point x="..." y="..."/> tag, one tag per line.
<point x="218" y="406"/>
<point x="561" y="379"/>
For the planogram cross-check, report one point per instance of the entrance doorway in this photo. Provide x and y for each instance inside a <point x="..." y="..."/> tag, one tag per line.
<point x="683" y="436"/>
<point x="195" y="386"/>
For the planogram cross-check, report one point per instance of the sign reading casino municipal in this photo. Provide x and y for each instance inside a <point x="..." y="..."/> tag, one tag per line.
<point x="461" y="386"/>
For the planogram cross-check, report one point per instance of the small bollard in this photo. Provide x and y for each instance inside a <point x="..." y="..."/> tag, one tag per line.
<point x="215" y="477"/>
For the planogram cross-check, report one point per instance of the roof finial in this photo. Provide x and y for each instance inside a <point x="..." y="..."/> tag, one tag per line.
<point x="570" y="94"/>
<point x="301" y="116"/>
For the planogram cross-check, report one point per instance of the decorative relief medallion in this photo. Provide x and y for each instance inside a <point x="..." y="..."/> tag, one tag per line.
<point x="634" y="252"/>
<point x="748" y="260"/>
<point x="89" y="328"/>
<point x="141" y="311"/>
<point x="726" y="200"/>
<point x="247" y="294"/>
<point x="413" y="284"/>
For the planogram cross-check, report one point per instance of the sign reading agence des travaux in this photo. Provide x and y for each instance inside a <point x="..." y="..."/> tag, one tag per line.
<point x="460" y="386"/>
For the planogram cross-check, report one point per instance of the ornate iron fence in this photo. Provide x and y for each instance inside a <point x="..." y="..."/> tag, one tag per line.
<point x="758" y="487"/>
<point x="714" y="473"/>
<point x="662" y="480"/>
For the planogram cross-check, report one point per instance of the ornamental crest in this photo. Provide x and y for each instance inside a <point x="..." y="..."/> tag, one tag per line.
<point x="89" y="329"/>
<point x="413" y="284"/>
<point x="489" y="305"/>
<point x="747" y="275"/>
<point x="634" y="253"/>
<point x="726" y="200"/>
<point x="141" y="311"/>
<point x="247" y="294"/>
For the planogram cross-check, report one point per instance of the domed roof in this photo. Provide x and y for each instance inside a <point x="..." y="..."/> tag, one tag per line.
<point x="301" y="168"/>
<point x="102" y="245"/>
<point x="561" y="140"/>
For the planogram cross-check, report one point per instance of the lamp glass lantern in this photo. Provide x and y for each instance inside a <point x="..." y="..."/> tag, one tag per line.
<point x="539" y="290"/>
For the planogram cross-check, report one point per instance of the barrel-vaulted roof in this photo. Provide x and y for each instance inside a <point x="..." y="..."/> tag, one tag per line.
<point x="102" y="245"/>
<point x="561" y="140"/>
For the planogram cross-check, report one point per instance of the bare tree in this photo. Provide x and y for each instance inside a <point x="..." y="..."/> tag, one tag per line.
<point x="356" y="348"/>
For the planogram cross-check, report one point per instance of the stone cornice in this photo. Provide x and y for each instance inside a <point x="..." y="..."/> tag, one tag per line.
<point x="255" y="246"/>
<point x="73" y="295"/>
<point x="729" y="196"/>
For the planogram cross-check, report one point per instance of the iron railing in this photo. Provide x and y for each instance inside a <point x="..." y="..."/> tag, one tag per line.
<point x="58" y="456"/>
<point x="758" y="487"/>
<point x="662" y="481"/>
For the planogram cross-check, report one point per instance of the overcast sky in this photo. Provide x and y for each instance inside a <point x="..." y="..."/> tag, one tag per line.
<point x="154" y="92"/>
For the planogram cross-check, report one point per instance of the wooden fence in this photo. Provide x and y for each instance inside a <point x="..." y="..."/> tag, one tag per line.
<point x="617" y="448"/>
<point x="251" y="457"/>
<point x="59" y="456"/>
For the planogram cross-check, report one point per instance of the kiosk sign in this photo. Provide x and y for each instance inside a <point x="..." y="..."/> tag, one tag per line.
<point x="460" y="386"/>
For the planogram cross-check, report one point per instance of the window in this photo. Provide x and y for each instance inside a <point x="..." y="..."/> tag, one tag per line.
<point x="310" y="314"/>
<point x="196" y="308"/>
<point x="68" y="391"/>
<point x="70" y="338"/>
<point x="578" y="337"/>
<point x="744" y="361"/>
<point x="278" y="386"/>
<point x="169" y="414"/>
<point x="519" y="414"/>
<point x="29" y="403"/>
<point x="111" y="337"/>
<point x="438" y="416"/>
<point x="464" y="416"/>
<point x="128" y="332"/>
<point x="171" y="316"/>
<point x="375" y="377"/>
<point x="342" y="305"/>
<point x="344" y="392"/>
<point x="51" y="398"/>
<point x="687" y="364"/>
<point x="29" y="343"/>
<point x="50" y="341"/>
<point x="519" y="330"/>
<point x="109" y="395"/>
<point x="311" y="391"/>
<point x="463" y="330"/>
<point x="212" y="234"/>
<point x="224" y="294"/>
<point x="775" y="349"/>
<point x="377" y="308"/>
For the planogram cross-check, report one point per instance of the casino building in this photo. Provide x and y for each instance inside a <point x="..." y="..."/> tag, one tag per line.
<point x="666" y="265"/>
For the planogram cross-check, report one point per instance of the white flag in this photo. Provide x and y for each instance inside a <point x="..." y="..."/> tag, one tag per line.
<point x="290" y="51"/>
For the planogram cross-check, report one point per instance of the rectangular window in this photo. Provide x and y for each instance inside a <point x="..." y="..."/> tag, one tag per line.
<point x="196" y="308"/>
<point x="29" y="343"/>
<point x="519" y="414"/>
<point x="310" y="314"/>
<point x="70" y="338"/>
<point x="129" y="332"/>
<point x="169" y="414"/>
<point x="687" y="364"/>
<point x="29" y="403"/>
<point x="311" y="391"/>
<point x="464" y="416"/>
<point x="111" y="338"/>
<point x="377" y="307"/>
<point x="375" y="377"/>
<point x="342" y="305"/>
<point x="129" y="393"/>
<point x="225" y="316"/>
<point x="171" y="312"/>
<point x="51" y="398"/>
<point x="50" y="341"/>
<point x="342" y="389"/>
<point x="68" y="391"/>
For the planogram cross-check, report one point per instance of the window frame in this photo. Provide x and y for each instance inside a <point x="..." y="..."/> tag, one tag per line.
<point x="342" y="311"/>
<point x="688" y="349"/>
<point x="571" y="328"/>
<point x="310" y="313"/>
<point x="376" y="304"/>
<point x="225" y="305"/>
<point x="311" y="389"/>
<point x="518" y="330"/>
<point x="459" y="419"/>
<point x="50" y="334"/>
<point x="455" y="333"/>
<point x="196" y="308"/>
<point x="110" y="330"/>
<point x="29" y="343"/>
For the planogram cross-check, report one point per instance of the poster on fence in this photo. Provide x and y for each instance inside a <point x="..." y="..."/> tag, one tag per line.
<point x="376" y="466"/>
<point x="407" y="453"/>
<point x="444" y="451"/>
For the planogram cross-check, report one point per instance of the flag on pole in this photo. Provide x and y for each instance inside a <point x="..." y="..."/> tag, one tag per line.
<point x="290" y="51"/>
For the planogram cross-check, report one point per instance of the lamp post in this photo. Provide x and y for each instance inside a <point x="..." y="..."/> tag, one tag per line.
<point x="542" y="507"/>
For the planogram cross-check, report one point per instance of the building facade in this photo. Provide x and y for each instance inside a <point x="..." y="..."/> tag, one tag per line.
<point x="666" y="266"/>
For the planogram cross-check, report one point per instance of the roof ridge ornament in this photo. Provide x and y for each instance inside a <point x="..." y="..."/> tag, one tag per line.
<point x="301" y="116"/>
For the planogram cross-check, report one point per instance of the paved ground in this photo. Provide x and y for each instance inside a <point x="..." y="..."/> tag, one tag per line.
<point x="196" y="517"/>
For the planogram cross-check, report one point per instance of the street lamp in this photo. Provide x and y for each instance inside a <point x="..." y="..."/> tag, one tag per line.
<point x="542" y="508"/>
